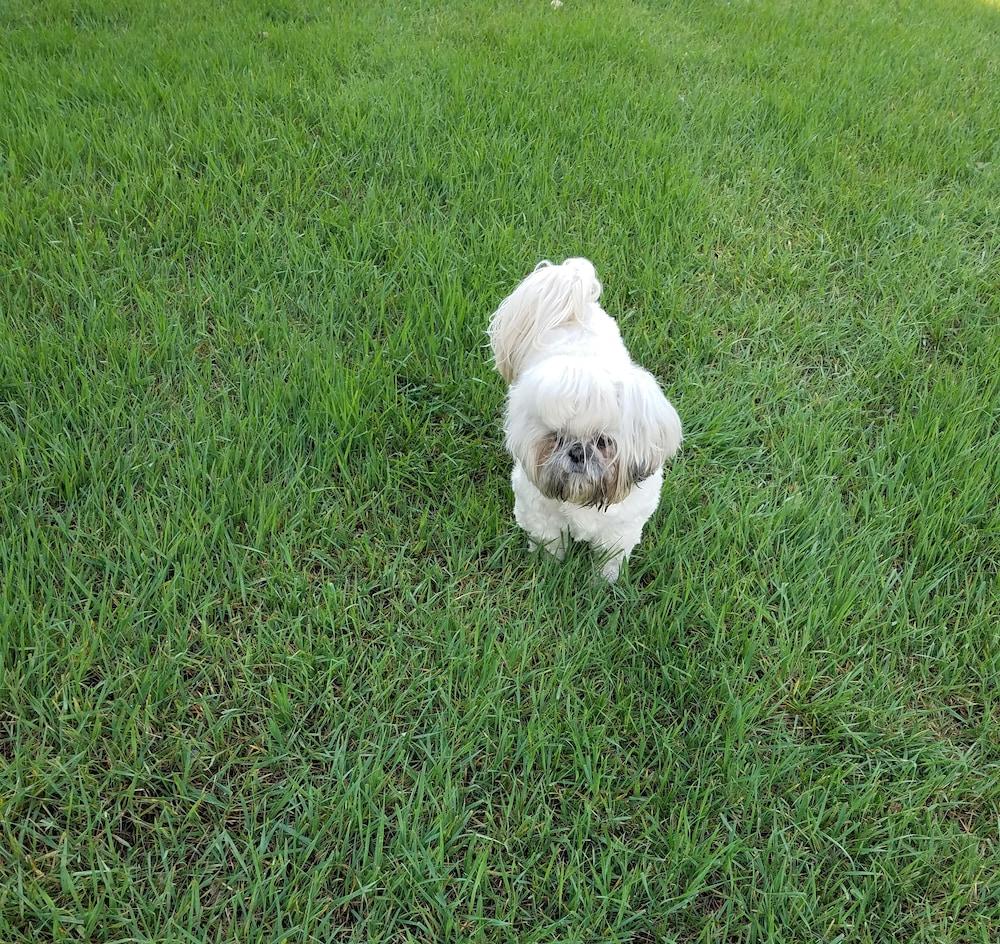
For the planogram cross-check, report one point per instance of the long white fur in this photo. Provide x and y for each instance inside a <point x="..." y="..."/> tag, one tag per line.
<point x="569" y="371"/>
<point x="548" y="298"/>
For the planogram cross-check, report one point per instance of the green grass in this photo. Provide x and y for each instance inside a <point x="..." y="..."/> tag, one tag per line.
<point x="275" y="665"/>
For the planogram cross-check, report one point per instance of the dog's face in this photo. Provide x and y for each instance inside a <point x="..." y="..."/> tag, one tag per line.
<point x="583" y="470"/>
<point x="588" y="434"/>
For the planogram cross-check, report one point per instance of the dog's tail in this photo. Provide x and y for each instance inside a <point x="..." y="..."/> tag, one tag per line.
<point x="551" y="296"/>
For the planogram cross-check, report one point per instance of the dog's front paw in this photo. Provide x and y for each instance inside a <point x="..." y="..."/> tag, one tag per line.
<point x="556" y="546"/>
<point x="612" y="568"/>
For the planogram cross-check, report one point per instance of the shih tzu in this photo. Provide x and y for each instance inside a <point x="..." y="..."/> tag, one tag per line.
<point x="588" y="429"/>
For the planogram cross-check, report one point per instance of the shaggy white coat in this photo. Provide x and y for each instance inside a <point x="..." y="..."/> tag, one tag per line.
<point x="589" y="430"/>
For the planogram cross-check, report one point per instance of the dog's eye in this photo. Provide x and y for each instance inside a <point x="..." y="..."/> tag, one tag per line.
<point x="602" y="443"/>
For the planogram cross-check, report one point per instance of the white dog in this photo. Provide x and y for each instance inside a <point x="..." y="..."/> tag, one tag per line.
<point x="588" y="429"/>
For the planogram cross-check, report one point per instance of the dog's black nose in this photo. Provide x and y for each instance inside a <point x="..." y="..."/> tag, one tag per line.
<point x="576" y="453"/>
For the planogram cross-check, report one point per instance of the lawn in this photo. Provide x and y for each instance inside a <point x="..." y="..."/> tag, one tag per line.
<point x="275" y="665"/>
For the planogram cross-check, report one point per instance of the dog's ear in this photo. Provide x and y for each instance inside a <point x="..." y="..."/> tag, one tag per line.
<point x="650" y="429"/>
<point x="551" y="296"/>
